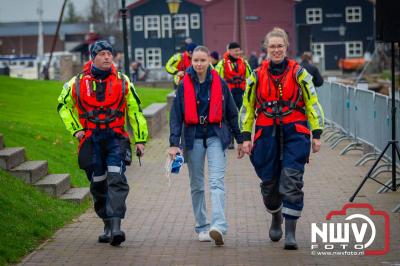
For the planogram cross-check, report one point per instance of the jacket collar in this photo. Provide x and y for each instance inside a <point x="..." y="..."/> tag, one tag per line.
<point x="88" y="66"/>
<point x="193" y="75"/>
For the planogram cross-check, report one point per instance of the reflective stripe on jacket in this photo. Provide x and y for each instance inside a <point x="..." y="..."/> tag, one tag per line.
<point x="302" y="78"/>
<point x="234" y="76"/>
<point x="178" y="62"/>
<point x="70" y="111"/>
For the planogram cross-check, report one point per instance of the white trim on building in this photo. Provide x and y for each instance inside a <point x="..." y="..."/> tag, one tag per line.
<point x="137" y="23"/>
<point x="195" y="21"/>
<point x="153" y="58"/>
<point x="152" y="27"/>
<point x="353" y="14"/>
<point x="313" y="15"/>
<point x="166" y="25"/>
<point x="181" y="22"/>
<point x="139" y="54"/>
<point x="354" y="49"/>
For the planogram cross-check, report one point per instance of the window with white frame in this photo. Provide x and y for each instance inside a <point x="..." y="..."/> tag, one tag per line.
<point x="317" y="49"/>
<point x="354" y="49"/>
<point x="152" y="27"/>
<point x="181" y="25"/>
<point x="195" y="21"/>
<point x="166" y="24"/>
<point x="153" y="58"/>
<point x="353" y="14"/>
<point x="139" y="54"/>
<point x="313" y="15"/>
<point x="137" y="23"/>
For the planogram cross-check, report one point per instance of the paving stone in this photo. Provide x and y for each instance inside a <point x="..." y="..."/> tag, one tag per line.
<point x="159" y="223"/>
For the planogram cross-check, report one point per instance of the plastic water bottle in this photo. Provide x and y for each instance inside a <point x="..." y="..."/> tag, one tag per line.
<point x="177" y="163"/>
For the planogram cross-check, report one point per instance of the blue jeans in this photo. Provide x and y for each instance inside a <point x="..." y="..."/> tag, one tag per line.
<point x="216" y="171"/>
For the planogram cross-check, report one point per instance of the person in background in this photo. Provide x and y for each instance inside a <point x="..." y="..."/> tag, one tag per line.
<point x="136" y="69"/>
<point x="282" y="99"/>
<point x="214" y="58"/>
<point x="179" y="62"/>
<point x="206" y="113"/>
<point x="234" y="70"/>
<point x="306" y="62"/>
<point x="253" y="60"/>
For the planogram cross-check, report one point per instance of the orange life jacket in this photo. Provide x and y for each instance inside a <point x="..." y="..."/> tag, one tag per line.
<point x="278" y="98"/>
<point x="94" y="114"/>
<point x="235" y="77"/>
<point x="191" y="116"/>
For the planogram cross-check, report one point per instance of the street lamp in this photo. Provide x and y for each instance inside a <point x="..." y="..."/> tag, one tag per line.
<point x="173" y="6"/>
<point x="123" y="11"/>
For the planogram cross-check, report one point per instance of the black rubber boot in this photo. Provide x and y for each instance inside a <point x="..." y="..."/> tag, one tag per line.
<point x="117" y="235"/>
<point x="275" y="230"/>
<point x="290" y="234"/>
<point x="106" y="236"/>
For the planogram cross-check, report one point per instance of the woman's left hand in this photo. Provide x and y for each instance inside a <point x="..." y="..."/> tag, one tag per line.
<point x="316" y="145"/>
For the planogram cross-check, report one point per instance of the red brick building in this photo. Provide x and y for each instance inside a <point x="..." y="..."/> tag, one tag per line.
<point x="245" y="21"/>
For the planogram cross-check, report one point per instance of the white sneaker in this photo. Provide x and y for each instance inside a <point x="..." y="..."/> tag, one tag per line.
<point x="217" y="236"/>
<point x="204" y="236"/>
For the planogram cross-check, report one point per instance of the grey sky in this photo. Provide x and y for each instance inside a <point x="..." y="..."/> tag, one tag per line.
<point x="25" y="10"/>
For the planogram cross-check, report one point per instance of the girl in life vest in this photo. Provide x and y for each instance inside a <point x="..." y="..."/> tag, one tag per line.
<point x="206" y="111"/>
<point x="281" y="98"/>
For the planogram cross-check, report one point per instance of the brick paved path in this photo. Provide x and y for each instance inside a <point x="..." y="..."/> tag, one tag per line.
<point x="159" y="223"/>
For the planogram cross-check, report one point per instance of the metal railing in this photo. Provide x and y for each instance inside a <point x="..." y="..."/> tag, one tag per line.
<point x="361" y="116"/>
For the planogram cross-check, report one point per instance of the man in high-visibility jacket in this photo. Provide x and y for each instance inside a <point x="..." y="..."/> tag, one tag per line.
<point x="179" y="62"/>
<point x="93" y="106"/>
<point x="234" y="70"/>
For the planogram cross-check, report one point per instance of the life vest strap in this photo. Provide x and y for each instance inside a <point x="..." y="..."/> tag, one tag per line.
<point x="277" y="107"/>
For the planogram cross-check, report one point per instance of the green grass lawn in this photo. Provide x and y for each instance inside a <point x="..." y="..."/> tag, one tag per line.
<point x="28" y="217"/>
<point x="29" y="118"/>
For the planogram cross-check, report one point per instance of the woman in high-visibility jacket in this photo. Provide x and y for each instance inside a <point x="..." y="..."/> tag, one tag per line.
<point x="281" y="98"/>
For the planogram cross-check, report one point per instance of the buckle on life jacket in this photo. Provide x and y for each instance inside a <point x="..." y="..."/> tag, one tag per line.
<point x="236" y="80"/>
<point x="203" y="120"/>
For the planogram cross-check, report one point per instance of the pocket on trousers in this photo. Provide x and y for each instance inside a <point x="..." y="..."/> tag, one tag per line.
<point x="85" y="154"/>
<point x="126" y="151"/>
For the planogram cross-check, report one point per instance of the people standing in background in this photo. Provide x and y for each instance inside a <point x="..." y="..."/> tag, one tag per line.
<point x="307" y="63"/>
<point x="253" y="60"/>
<point x="214" y="58"/>
<point x="179" y="62"/>
<point x="234" y="69"/>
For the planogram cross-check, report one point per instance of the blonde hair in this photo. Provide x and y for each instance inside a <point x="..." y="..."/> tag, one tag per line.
<point x="202" y="48"/>
<point x="277" y="32"/>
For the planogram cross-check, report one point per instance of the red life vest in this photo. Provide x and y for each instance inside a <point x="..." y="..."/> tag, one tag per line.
<point x="190" y="103"/>
<point x="95" y="114"/>
<point x="185" y="63"/>
<point x="278" y="97"/>
<point x="235" y="77"/>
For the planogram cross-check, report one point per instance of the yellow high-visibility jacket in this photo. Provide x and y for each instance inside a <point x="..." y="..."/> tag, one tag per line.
<point x="314" y="111"/>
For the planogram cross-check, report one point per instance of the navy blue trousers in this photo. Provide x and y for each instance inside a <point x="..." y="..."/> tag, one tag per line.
<point x="106" y="174"/>
<point x="282" y="180"/>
